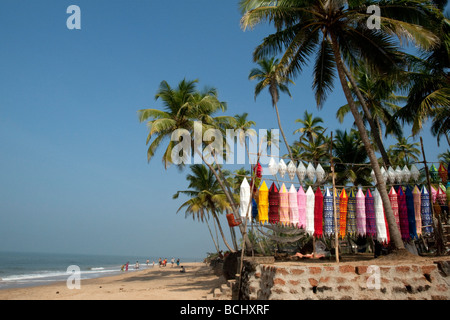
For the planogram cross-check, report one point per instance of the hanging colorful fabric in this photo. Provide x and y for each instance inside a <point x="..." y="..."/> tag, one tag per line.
<point x="343" y="200"/>
<point x="254" y="209"/>
<point x="257" y="170"/>
<point x="282" y="168"/>
<point x="434" y="173"/>
<point x="292" y="170"/>
<point x="379" y="218"/>
<point x="284" y="205"/>
<point x="441" y="197"/>
<point x="328" y="213"/>
<point x="394" y="205"/>
<point x="411" y="213"/>
<point x="336" y="211"/>
<point x="301" y="171"/>
<point x="414" y="173"/>
<point x="293" y="207"/>
<point x="403" y="214"/>
<point x="426" y="211"/>
<point x="433" y="194"/>
<point x="360" y="213"/>
<point x="417" y="210"/>
<point x="442" y="172"/>
<point x="274" y="204"/>
<point x="263" y="203"/>
<point x="310" y="172"/>
<point x="245" y="206"/>
<point x="371" y="227"/>
<point x="351" y="213"/>
<point x="301" y="203"/>
<point x="273" y="166"/>
<point x="318" y="213"/>
<point x="406" y="174"/>
<point x="310" y="201"/>
<point x="320" y="173"/>
<point x="232" y="222"/>
<point x="391" y="175"/>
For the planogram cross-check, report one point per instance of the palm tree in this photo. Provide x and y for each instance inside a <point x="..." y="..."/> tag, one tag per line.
<point x="182" y="107"/>
<point x="378" y="93"/>
<point x="316" y="150"/>
<point x="429" y="94"/>
<point x="206" y="196"/>
<point x="269" y="76"/>
<point x="403" y="153"/>
<point x="311" y="127"/>
<point x="349" y="152"/>
<point x="444" y="157"/>
<point x="338" y="32"/>
<point x="441" y="123"/>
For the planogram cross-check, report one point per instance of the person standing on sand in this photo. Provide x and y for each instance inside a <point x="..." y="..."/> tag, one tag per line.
<point x="126" y="266"/>
<point x="172" y="261"/>
<point x="178" y="262"/>
<point x="160" y="262"/>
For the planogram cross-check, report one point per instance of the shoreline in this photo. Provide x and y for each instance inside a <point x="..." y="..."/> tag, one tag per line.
<point x="157" y="283"/>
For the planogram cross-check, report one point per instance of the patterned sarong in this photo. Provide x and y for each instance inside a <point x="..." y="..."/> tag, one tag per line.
<point x="343" y="213"/>
<point x="403" y="214"/>
<point x="318" y="213"/>
<point x="411" y="213"/>
<point x="351" y="213"/>
<point x="274" y="204"/>
<point x="371" y="228"/>
<point x="328" y="217"/>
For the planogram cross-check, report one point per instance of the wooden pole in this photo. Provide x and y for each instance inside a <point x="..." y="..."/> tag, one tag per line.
<point x="336" y="233"/>
<point x="436" y="227"/>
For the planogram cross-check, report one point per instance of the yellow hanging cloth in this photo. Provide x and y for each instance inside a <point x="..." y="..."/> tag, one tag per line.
<point x="263" y="203"/>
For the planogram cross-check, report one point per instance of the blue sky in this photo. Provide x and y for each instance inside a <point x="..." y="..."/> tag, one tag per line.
<point x="74" y="175"/>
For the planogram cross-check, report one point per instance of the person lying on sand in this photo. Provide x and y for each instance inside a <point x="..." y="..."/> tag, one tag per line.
<point x="309" y="255"/>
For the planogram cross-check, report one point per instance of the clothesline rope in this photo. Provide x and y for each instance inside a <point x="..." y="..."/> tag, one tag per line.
<point x="328" y="162"/>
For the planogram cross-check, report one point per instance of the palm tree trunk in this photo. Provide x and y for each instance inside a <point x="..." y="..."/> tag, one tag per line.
<point x="220" y="230"/>
<point x="369" y="117"/>
<point x="212" y="236"/>
<point x="284" y="138"/>
<point x="381" y="186"/>
<point x="229" y="196"/>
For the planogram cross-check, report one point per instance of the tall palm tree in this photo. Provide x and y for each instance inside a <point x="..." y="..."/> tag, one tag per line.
<point x="403" y="153"/>
<point x="311" y="127"/>
<point x="182" y="107"/>
<point x="338" y="33"/>
<point x="269" y="76"/>
<point x="206" y="196"/>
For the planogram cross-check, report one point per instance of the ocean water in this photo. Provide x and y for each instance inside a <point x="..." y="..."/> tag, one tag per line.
<point x="31" y="269"/>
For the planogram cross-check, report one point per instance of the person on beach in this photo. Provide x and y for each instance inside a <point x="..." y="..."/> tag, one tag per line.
<point x="178" y="262"/>
<point x="126" y="266"/>
<point x="136" y="266"/>
<point x="148" y="262"/>
<point x="160" y="262"/>
<point x="183" y="270"/>
<point x="172" y="261"/>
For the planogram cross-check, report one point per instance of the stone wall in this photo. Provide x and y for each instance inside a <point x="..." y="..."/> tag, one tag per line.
<point x="345" y="281"/>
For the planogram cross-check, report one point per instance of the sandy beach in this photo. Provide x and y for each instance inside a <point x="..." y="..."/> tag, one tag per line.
<point x="157" y="283"/>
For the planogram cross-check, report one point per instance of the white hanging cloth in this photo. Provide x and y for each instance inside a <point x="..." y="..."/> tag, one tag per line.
<point x="245" y="206"/>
